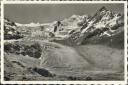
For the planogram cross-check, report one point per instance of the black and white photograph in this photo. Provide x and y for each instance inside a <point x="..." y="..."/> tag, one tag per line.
<point x="64" y="41"/>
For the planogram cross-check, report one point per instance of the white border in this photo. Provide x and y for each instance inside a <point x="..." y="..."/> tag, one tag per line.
<point x="61" y="82"/>
<point x="2" y="43"/>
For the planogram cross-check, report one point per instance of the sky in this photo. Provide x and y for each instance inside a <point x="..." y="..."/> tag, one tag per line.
<point x="46" y="13"/>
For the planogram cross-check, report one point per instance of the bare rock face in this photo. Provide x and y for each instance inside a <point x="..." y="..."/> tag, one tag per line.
<point x="10" y="30"/>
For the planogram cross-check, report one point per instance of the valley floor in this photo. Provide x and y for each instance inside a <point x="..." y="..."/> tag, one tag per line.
<point x="61" y="62"/>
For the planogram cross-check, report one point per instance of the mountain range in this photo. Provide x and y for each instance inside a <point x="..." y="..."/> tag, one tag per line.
<point x="77" y="48"/>
<point x="103" y="23"/>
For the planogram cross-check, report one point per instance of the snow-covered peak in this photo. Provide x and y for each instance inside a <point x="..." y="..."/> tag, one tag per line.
<point x="32" y="24"/>
<point x="18" y="24"/>
<point x="103" y="9"/>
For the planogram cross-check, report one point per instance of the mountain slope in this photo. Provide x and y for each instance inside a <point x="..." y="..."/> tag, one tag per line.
<point x="10" y="30"/>
<point x="103" y="24"/>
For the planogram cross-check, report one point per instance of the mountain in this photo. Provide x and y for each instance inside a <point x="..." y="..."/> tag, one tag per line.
<point x="77" y="29"/>
<point x="10" y="30"/>
<point x="104" y="23"/>
<point x="103" y="19"/>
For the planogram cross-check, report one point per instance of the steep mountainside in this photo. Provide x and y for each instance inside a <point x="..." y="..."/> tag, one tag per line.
<point x="104" y="24"/>
<point x="10" y="30"/>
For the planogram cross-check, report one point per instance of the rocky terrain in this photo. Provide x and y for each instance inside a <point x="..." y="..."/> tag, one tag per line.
<point x="76" y="48"/>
